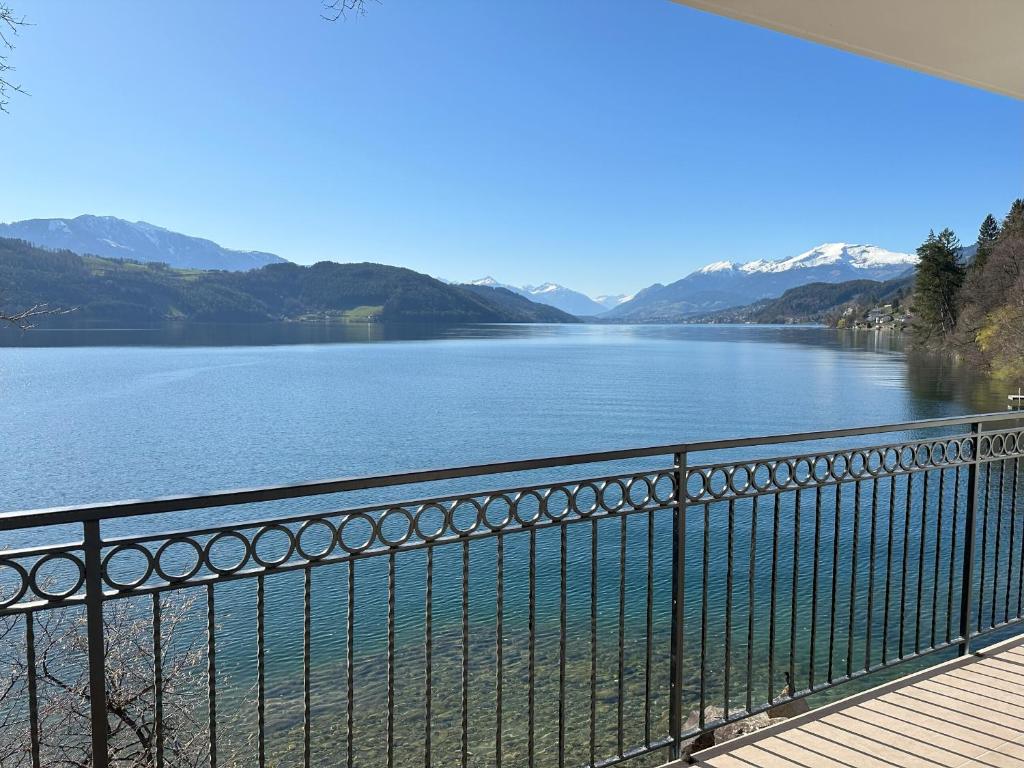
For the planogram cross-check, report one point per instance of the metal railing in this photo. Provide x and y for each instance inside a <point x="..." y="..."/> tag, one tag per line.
<point x="549" y="621"/>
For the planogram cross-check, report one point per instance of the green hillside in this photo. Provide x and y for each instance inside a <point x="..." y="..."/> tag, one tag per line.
<point x="108" y="290"/>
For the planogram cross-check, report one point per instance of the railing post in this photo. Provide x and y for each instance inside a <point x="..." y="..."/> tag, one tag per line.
<point x="678" y="601"/>
<point x="94" y="633"/>
<point x="967" y="582"/>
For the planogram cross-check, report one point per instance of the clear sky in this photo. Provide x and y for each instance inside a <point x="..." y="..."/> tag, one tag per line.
<point x="602" y="144"/>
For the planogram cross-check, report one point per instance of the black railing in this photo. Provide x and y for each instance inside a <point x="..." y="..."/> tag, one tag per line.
<point x="552" y="621"/>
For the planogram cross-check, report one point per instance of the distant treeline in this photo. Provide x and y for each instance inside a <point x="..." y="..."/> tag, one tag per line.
<point x="112" y="291"/>
<point x="975" y="309"/>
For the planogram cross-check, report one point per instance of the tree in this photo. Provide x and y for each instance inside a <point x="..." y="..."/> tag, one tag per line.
<point x="940" y="276"/>
<point x="26" y="317"/>
<point x="1013" y="224"/>
<point x="63" y="684"/>
<point x="337" y="9"/>
<point x="9" y="24"/>
<point x="987" y="237"/>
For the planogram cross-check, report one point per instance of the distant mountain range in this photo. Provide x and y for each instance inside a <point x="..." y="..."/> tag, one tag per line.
<point x="726" y="284"/>
<point x="718" y="286"/>
<point x="113" y="291"/>
<point x="554" y="295"/>
<point x="119" y="239"/>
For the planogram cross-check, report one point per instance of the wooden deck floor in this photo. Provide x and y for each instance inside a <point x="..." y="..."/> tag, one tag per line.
<point x="966" y="712"/>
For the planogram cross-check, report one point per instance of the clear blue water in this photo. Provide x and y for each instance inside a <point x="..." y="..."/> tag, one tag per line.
<point x="96" y="423"/>
<point x="94" y="416"/>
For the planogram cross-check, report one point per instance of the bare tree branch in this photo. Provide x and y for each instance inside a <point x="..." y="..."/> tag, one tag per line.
<point x="339" y="9"/>
<point x="25" y="318"/>
<point x="10" y="22"/>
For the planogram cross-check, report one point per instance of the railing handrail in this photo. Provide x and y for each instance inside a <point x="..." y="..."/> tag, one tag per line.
<point x="48" y="516"/>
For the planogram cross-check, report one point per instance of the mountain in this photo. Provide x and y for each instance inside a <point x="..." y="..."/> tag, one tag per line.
<point x="139" y="241"/>
<point x="517" y="305"/>
<point x="110" y="290"/>
<point x="726" y="284"/>
<point x="552" y="294"/>
<point x="817" y="302"/>
<point x="610" y="302"/>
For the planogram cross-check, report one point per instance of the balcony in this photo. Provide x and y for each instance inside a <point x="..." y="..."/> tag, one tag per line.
<point x="596" y="609"/>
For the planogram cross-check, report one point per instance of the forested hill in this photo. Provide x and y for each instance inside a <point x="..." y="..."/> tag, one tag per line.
<point x="108" y="290"/>
<point x="975" y="308"/>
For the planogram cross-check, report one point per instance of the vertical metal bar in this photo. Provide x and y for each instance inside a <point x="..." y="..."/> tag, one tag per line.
<point x="465" y="653"/>
<point x="773" y="601"/>
<point x="1009" y="547"/>
<point x="678" y="603"/>
<point x="835" y="580"/>
<point x="620" y="695"/>
<point x="953" y="550"/>
<point x="984" y="538"/>
<point x="938" y="555"/>
<point x="649" y="637"/>
<point x="307" y="619"/>
<point x="390" y="724"/>
<point x="261" y="673"/>
<point x="967" y="580"/>
<point x="814" y="586"/>
<point x="593" y="641"/>
<point x="33" y="697"/>
<point x="499" y="589"/>
<point x="750" y="603"/>
<point x="791" y="678"/>
<point x="158" y="680"/>
<point x="704" y="617"/>
<point x="563" y="542"/>
<point x="94" y="632"/>
<point x="853" y="576"/>
<point x="872" y="564"/>
<point x="428" y="652"/>
<point x="920" y="561"/>
<point x="1020" y="568"/>
<point x="906" y="555"/>
<point x="888" y="568"/>
<point x="532" y="690"/>
<point x="1020" y="573"/>
<point x="211" y="672"/>
<point x="728" y="608"/>
<point x="350" y="631"/>
<point x="999" y="539"/>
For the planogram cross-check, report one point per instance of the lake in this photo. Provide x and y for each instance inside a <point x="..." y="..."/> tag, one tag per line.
<point x="96" y="415"/>
<point x="102" y="415"/>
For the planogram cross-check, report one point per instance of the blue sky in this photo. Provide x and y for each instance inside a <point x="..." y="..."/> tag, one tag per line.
<point x="600" y="144"/>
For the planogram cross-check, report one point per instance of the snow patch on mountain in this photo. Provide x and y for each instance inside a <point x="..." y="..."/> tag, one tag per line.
<point x="856" y="256"/>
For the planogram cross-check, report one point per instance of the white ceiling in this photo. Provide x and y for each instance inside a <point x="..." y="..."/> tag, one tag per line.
<point x="976" y="42"/>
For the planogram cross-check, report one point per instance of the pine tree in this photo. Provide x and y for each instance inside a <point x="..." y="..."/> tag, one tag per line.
<point x="987" y="237"/>
<point x="939" y="278"/>
<point x="1013" y="224"/>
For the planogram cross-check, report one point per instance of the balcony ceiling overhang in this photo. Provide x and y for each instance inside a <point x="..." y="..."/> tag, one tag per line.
<point x="975" y="42"/>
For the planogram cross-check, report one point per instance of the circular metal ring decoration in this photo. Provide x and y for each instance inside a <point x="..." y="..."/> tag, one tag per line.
<point x="422" y="516"/>
<point x="131" y="547"/>
<point x="308" y="526"/>
<point x="187" y="573"/>
<point x="225" y="536"/>
<point x="563" y="507"/>
<point x="78" y="581"/>
<point x="347" y="523"/>
<point x="589" y="488"/>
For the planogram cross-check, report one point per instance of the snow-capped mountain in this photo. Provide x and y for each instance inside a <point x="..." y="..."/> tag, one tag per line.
<point x="119" y="239"/>
<point x="610" y="301"/>
<point x="726" y="284"/>
<point x="552" y="294"/>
